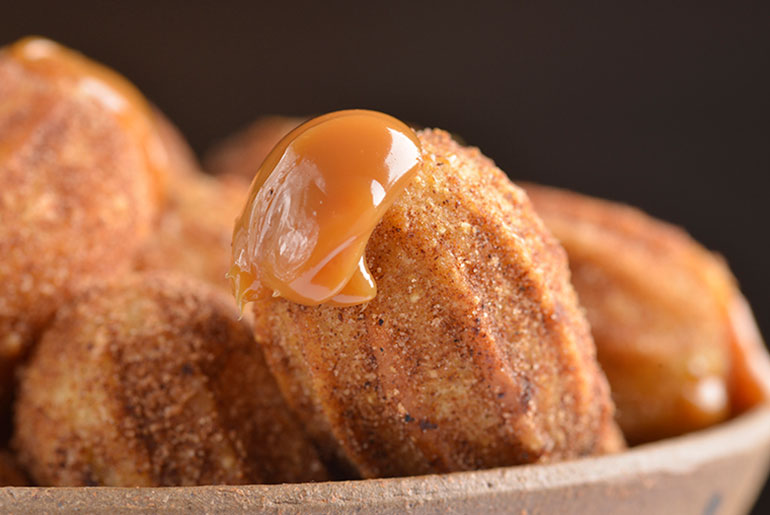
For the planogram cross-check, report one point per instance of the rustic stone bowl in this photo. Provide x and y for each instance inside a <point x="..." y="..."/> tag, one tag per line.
<point x="717" y="470"/>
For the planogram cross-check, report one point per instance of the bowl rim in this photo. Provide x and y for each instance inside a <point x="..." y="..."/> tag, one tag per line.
<point x="674" y="456"/>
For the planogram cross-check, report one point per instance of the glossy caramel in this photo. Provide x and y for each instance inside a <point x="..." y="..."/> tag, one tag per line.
<point x="314" y="203"/>
<point x="91" y="80"/>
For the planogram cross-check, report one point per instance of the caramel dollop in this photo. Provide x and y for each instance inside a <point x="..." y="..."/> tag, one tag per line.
<point x="89" y="79"/>
<point x="314" y="203"/>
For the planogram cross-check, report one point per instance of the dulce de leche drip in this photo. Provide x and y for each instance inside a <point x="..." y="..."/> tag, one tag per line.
<point x="313" y="205"/>
<point x="89" y="79"/>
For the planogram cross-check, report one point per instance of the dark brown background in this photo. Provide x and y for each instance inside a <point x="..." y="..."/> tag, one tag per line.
<point x="663" y="106"/>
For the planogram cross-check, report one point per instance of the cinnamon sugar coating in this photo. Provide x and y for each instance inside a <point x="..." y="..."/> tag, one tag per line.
<point x="181" y="158"/>
<point x="193" y="232"/>
<point x="77" y="199"/>
<point x="673" y="333"/>
<point x="473" y="354"/>
<point x="195" y="228"/>
<point x="153" y="381"/>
